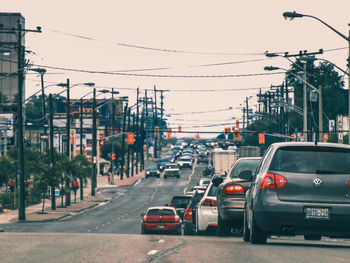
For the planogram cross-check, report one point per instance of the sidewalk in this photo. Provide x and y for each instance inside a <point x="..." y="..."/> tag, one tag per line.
<point x="34" y="212"/>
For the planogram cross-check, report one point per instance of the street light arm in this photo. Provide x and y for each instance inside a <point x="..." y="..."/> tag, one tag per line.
<point x="270" y="68"/>
<point x="296" y="15"/>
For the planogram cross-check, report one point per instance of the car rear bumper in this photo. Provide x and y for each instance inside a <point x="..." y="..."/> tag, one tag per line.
<point x="231" y="209"/>
<point x="277" y="217"/>
<point x="206" y="218"/>
<point x="161" y="227"/>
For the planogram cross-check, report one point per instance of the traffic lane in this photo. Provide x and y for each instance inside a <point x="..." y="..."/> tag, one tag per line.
<point x="38" y="247"/>
<point x="121" y="215"/>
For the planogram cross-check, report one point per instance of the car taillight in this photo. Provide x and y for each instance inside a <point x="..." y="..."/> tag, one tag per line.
<point x="233" y="189"/>
<point x="177" y="218"/>
<point x="145" y="218"/>
<point x="170" y="204"/>
<point x="273" y="181"/>
<point x="209" y="202"/>
<point x="188" y="214"/>
<point x="349" y="184"/>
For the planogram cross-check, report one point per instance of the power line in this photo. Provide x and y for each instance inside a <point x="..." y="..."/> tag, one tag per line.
<point x="159" y="75"/>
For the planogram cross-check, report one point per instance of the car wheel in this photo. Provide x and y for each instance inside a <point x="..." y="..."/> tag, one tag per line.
<point x="257" y="236"/>
<point x="146" y="176"/>
<point x="223" y="229"/>
<point x="188" y="232"/>
<point x="178" y="176"/>
<point x="246" y="232"/>
<point x="143" y="231"/>
<point x="164" y="176"/>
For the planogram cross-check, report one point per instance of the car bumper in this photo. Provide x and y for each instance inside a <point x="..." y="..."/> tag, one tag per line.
<point x="274" y="216"/>
<point x="161" y="227"/>
<point x="207" y="218"/>
<point x="231" y="209"/>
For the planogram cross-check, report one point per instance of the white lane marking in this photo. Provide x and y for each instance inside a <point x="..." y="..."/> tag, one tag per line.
<point x="138" y="181"/>
<point x="152" y="252"/>
<point x="161" y="241"/>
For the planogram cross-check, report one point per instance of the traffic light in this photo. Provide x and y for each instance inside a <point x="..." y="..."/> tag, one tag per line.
<point x="237" y="124"/>
<point x="261" y="138"/>
<point x="169" y="133"/>
<point x="102" y="142"/>
<point x="113" y="156"/>
<point x="227" y="131"/>
<point x="179" y="128"/>
<point x="236" y="135"/>
<point x="156" y="131"/>
<point x="130" y="138"/>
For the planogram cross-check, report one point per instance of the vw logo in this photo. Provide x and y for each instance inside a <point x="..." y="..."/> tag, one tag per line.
<point x="317" y="182"/>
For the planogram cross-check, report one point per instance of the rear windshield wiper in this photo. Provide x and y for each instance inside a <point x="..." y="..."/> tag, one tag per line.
<point x="319" y="171"/>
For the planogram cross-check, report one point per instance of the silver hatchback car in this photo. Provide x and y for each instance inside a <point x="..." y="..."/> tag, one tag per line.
<point x="299" y="189"/>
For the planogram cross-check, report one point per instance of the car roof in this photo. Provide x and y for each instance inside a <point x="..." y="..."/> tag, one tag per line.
<point x="323" y="144"/>
<point x="161" y="207"/>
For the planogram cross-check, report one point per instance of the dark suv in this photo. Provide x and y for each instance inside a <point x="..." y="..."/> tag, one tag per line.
<point x="230" y="195"/>
<point x="180" y="203"/>
<point x="299" y="189"/>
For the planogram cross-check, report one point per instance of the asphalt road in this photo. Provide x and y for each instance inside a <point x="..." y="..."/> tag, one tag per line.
<point x="111" y="233"/>
<point x="122" y="214"/>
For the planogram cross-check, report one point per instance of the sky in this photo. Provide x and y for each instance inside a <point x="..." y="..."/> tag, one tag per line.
<point x="207" y="56"/>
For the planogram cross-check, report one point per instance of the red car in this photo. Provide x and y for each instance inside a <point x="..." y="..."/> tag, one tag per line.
<point x="162" y="219"/>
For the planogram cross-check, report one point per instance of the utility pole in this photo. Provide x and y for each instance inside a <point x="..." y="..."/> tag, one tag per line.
<point x="81" y="147"/>
<point x="137" y="141"/>
<point x="247" y="109"/>
<point x="305" y="133"/>
<point x="142" y="141"/>
<point x="155" y="121"/>
<point x="128" y="155"/>
<point x="113" y="125"/>
<point x="161" y="119"/>
<point x="122" y="159"/>
<point x="68" y="122"/>
<point x="146" y="135"/>
<point x="94" y="146"/>
<point x="133" y="145"/>
<point x="52" y="159"/>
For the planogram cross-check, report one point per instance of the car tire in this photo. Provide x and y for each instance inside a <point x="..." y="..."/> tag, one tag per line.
<point x="246" y="232"/>
<point x="143" y="231"/>
<point x="257" y="236"/>
<point x="146" y="176"/>
<point x="188" y="232"/>
<point x="164" y="176"/>
<point x="223" y="229"/>
<point x="178" y="176"/>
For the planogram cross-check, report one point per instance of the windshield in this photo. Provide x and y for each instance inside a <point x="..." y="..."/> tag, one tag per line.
<point x="243" y="165"/>
<point x="312" y="159"/>
<point x="185" y="160"/>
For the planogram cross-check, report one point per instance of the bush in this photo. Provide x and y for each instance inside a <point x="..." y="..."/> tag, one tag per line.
<point x="6" y="200"/>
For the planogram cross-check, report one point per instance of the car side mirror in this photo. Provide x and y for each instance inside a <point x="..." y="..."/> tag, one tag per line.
<point x="246" y="175"/>
<point x="217" y="180"/>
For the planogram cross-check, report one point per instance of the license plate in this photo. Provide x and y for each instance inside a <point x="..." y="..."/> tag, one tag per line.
<point x="317" y="213"/>
<point x="160" y="227"/>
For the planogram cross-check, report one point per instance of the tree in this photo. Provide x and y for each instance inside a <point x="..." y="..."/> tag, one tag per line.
<point x="334" y="96"/>
<point x="82" y="170"/>
<point x="6" y="170"/>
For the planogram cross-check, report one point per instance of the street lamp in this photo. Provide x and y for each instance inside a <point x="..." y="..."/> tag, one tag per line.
<point x="292" y="15"/>
<point x="320" y="108"/>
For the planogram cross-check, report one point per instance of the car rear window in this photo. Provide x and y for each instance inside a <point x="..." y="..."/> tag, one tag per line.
<point x="180" y="202"/>
<point x="312" y="159"/>
<point x="213" y="190"/>
<point x="161" y="212"/>
<point x="243" y="165"/>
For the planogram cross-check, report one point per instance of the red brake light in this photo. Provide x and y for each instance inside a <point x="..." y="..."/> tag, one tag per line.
<point x="233" y="189"/>
<point x="144" y="218"/>
<point x="209" y="202"/>
<point x="273" y="181"/>
<point x="170" y="204"/>
<point x="349" y="184"/>
<point x="188" y="214"/>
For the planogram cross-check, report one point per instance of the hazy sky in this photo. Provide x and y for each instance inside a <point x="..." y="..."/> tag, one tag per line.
<point x="222" y="40"/>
